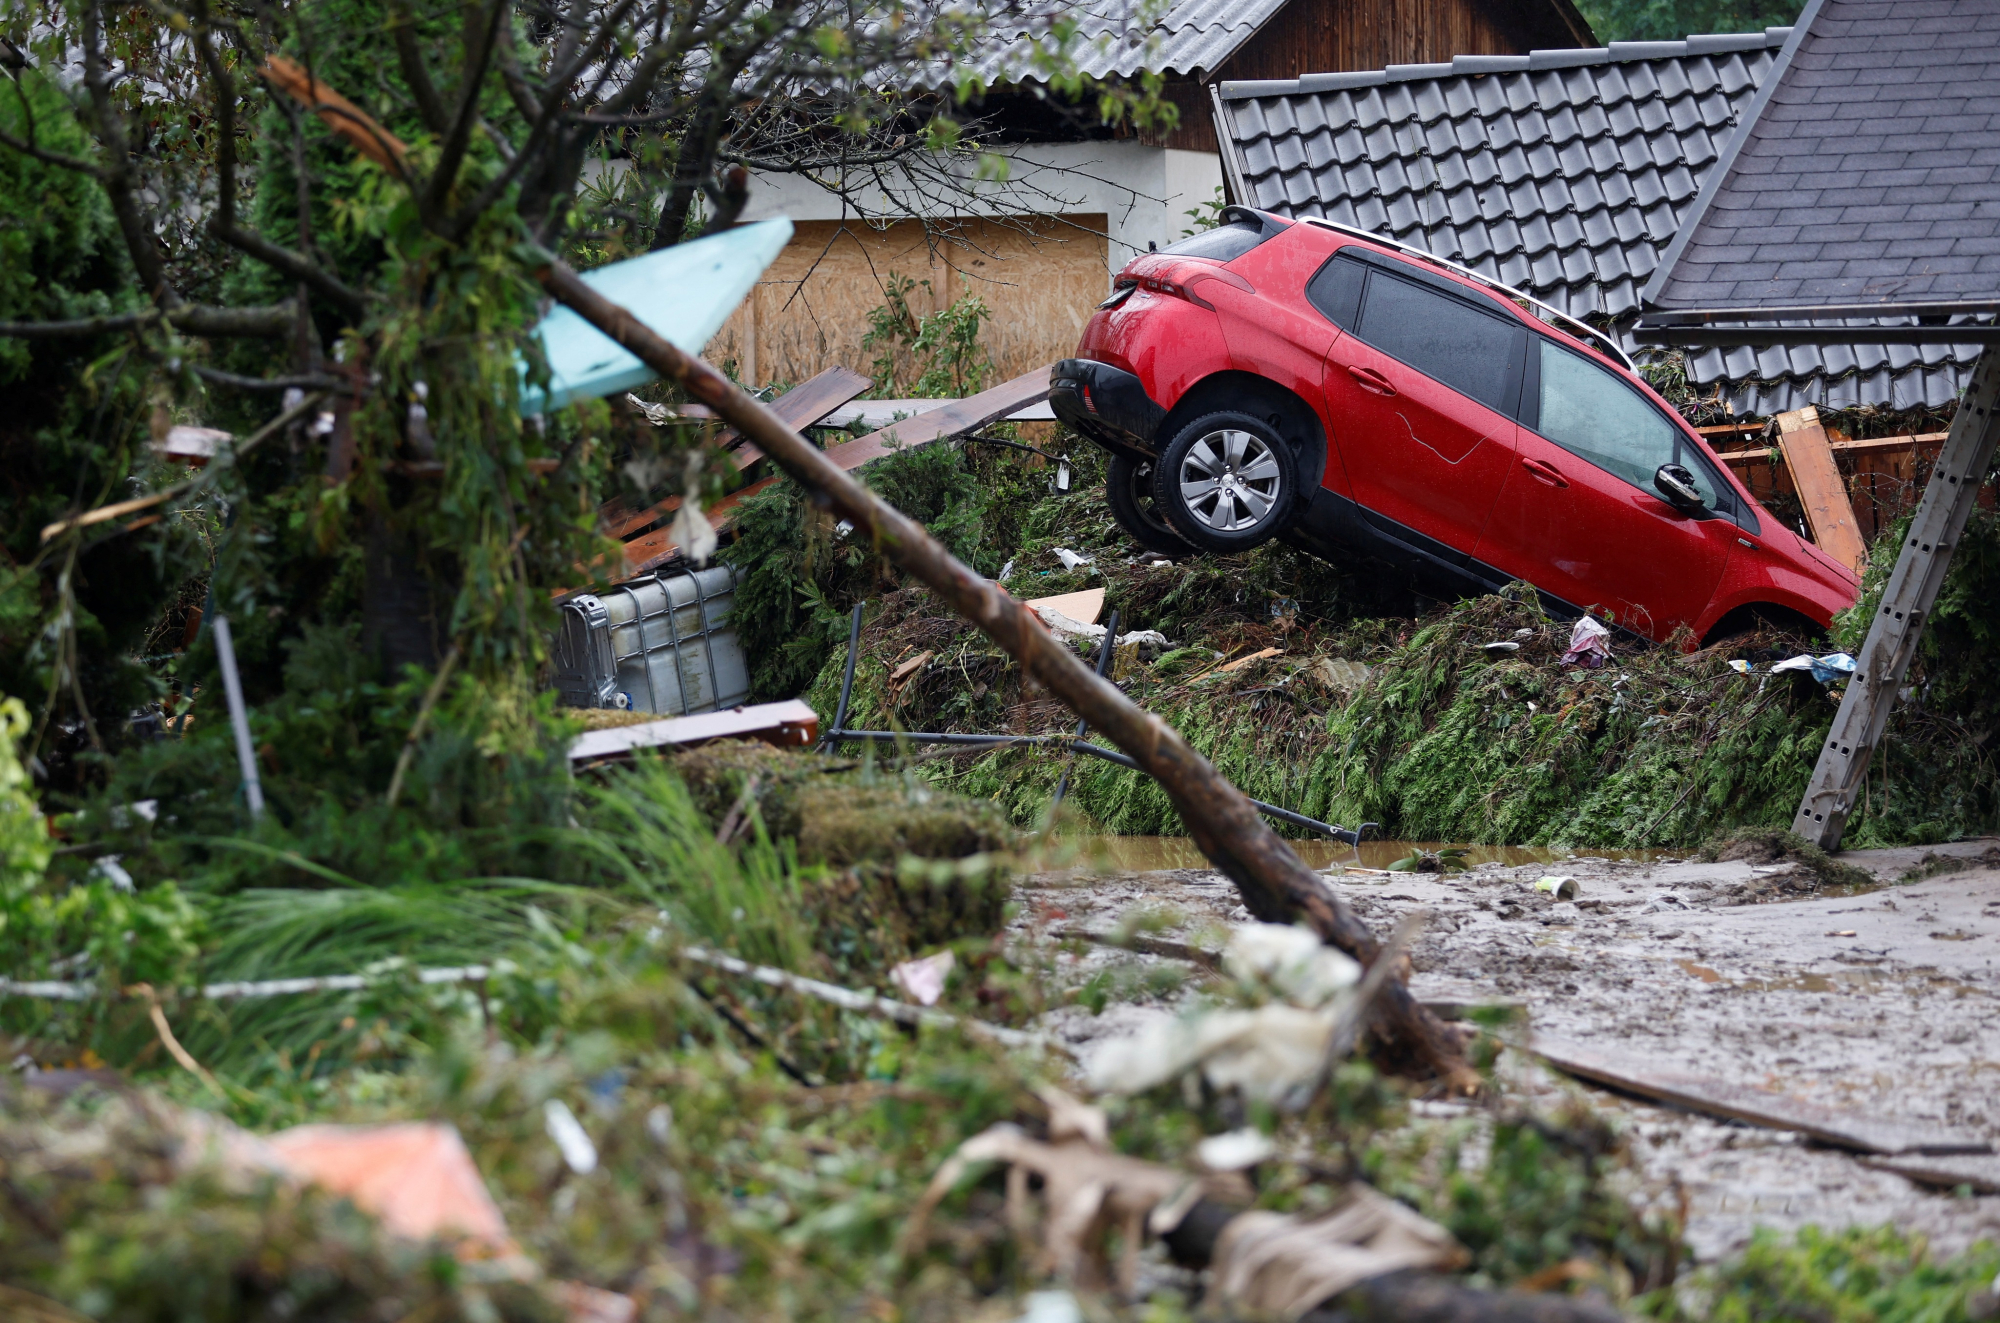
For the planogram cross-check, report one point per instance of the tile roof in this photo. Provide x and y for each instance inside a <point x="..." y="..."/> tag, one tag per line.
<point x="1194" y="36"/>
<point x="1564" y="173"/>
<point x="1867" y="175"/>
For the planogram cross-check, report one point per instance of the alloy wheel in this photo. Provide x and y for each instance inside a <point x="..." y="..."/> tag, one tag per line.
<point x="1230" y="480"/>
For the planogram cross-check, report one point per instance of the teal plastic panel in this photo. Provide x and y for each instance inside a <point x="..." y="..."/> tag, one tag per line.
<point x="683" y="293"/>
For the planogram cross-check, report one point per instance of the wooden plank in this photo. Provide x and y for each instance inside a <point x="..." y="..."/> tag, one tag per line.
<point x="1982" y="1173"/>
<point x="1887" y="444"/>
<point x="801" y="406"/>
<point x="1809" y="457"/>
<point x="807" y="403"/>
<point x="1760" y="1107"/>
<point x="966" y="415"/>
<point x="790" y="724"/>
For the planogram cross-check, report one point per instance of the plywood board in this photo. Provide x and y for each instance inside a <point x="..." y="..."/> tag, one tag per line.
<point x="1081" y="607"/>
<point x="1809" y="457"/>
<point x="1739" y="1102"/>
<point x="1041" y="277"/>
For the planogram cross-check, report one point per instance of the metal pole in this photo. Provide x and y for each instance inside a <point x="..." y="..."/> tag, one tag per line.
<point x="1103" y="667"/>
<point x="1907" y="600"/>
<point x="847" y="680"/>
<point x="239" y="717"/>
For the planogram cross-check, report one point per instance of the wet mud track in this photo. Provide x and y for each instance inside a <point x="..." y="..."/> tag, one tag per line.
<point x="1881" y="1002"/>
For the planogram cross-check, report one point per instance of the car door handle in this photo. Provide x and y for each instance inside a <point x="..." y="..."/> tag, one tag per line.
<point x="1371" y="380"/>
<point x="1542" y="471"/>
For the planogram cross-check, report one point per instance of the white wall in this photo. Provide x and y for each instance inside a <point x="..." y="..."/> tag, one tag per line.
<point x="1144" y="192"/>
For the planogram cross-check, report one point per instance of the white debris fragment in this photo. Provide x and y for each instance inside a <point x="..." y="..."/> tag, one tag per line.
<point x="922" y="981"/>
<point x="571" y="1138"/>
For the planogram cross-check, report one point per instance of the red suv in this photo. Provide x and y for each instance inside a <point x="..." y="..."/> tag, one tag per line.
<point x="1363" y="399"/>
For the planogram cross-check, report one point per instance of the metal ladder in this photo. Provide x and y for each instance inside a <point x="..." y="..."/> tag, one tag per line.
<point x="1906" y="603"/>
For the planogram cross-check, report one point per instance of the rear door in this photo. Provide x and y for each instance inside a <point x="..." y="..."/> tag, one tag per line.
<point x="1579" y="516"/>
<point x="1421" y="391"/>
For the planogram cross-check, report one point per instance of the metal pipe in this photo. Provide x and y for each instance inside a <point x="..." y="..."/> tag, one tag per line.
<point x="1268" y="810"/>
<point x="846" y="680"/>
<point x="239" y="717"/>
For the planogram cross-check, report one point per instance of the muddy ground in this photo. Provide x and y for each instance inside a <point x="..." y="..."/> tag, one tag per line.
<point x="1727" y="969"/>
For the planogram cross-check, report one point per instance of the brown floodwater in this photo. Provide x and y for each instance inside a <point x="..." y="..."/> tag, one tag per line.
<point x="1145" y="854"/>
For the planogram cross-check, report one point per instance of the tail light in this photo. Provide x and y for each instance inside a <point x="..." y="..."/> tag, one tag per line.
<point x="1181" y="279"/>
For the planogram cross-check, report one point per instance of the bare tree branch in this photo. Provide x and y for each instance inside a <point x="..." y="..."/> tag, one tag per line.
<point x="430" y="108"/>
<point x="270" y="321"/>
<point x="141" y="243"/>
<point x="223" y="223"/>
<point x="479" y="54"/>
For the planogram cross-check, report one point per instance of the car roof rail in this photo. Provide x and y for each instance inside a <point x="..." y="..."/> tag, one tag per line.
<point x="1588" y="332"/>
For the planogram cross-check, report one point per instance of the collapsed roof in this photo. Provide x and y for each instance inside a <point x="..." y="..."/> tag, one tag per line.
<point x="1565" y="173"/>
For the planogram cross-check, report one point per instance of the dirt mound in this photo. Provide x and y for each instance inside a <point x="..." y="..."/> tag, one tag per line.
<point x="1763" y="846"/>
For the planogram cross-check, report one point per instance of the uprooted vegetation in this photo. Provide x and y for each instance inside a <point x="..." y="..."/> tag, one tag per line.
<point x="1409" y="723"/>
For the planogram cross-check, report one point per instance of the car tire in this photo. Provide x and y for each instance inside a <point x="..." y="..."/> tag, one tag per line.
<point x="1226" y="482"/>
<point x="1128" y="490"/>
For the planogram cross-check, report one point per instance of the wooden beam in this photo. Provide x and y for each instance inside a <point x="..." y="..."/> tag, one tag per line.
<point x="1809" y="457"/>
<point x="1739" y="1102"/>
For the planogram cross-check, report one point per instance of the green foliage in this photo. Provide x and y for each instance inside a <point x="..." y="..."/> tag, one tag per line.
<point x="96" y="925"/>
<point x="1854" y="1275"/>
<point x="72" y="416"/>
<point x="1524" y="1193"/>
<point x="801" y="572"/>
<point x="1670" y="20"/>
<point x="926" y="355"/>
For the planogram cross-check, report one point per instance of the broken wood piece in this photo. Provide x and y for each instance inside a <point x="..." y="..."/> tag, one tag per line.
<point x="1830" y="514"/>
<point x="910" y="667"/>
<point x="1083" y="607"/>
<point x="1241" y="662"/>
<point x="340" y="115"/>
<point x="790" y="724"/>
<point x="1760" y="1107"/>
<point x="1979" y="1171"/>
<point x="808" y="402"/>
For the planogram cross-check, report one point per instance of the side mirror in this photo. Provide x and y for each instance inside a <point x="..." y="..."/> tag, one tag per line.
<point x="1677" y="485"/>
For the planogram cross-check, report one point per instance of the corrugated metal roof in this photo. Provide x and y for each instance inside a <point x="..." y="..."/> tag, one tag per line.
<point x="1114" y="38"/>
<point x="1564" y="173"/>
<point x="1869" y="176"/>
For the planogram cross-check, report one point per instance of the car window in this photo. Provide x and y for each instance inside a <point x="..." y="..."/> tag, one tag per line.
<point x="1448" y="340"/>
<point x="1335" y="290"/>
<point x="1591" y="413"/>
<point x="1220" y="244"/>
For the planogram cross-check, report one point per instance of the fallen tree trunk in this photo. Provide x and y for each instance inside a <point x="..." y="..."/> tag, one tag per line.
<point x="1275" y="884"/>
